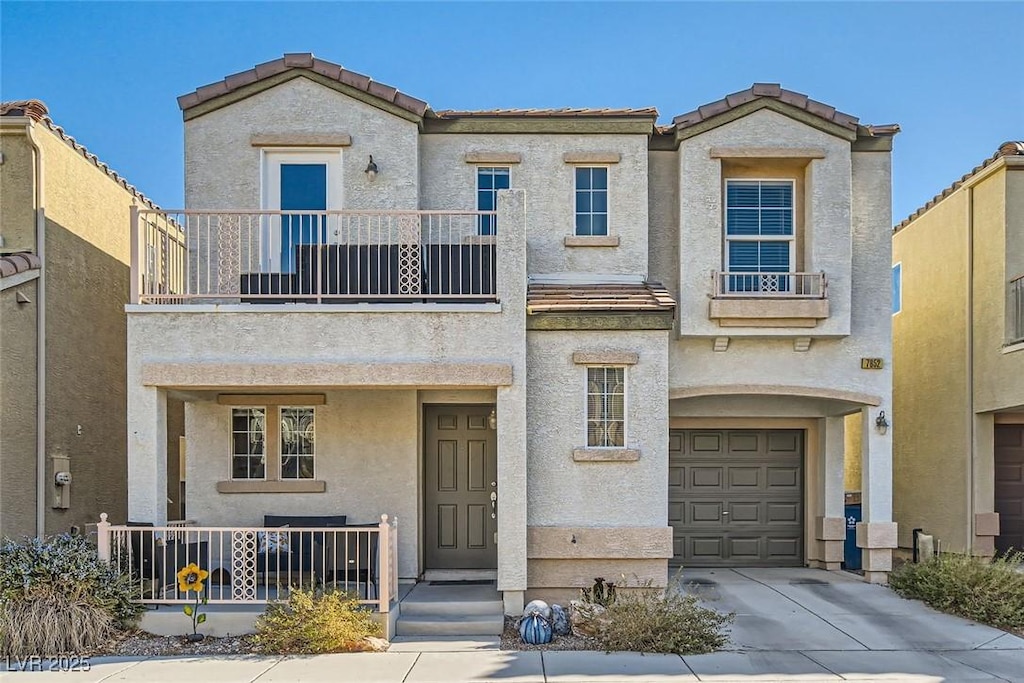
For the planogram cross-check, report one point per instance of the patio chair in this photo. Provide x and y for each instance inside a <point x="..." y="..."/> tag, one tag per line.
<point x="142" y="568"/>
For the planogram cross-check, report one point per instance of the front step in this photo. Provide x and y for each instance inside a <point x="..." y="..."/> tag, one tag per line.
<point x="466" y="625"/>
<point x="459" y="610"/>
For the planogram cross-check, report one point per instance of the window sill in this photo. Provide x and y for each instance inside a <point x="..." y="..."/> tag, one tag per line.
<point x="290" y="486"/>
<point x="1013" y="346"/>
<point x="605" y="454"/>
<point x="768" y="312"/>
<point x="591" y="240"/>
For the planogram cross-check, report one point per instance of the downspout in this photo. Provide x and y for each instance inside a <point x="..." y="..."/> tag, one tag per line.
<point x="970" y="370"/>
<point x="40" y="212"/>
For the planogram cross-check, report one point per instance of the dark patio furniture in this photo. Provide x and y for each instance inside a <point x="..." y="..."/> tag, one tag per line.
<point x="303" y="547"/>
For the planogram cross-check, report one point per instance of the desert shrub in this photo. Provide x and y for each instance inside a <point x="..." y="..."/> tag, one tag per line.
<point x="57" y="597"/>
<point x="666" y="621"/>
<point x="971" y="587"/>
<point x="313" y="622"/>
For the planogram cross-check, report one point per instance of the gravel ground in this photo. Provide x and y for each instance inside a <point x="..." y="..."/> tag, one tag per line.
<point x="142" y="644"/>
<point x="510" y="640"/>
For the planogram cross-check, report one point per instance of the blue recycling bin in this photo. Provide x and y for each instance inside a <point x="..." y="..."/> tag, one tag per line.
<point x="851" y="553"/>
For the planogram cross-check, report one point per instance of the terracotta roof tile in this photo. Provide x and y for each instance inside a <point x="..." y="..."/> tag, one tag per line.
<point x="302" y="60"/>
<point x="12" y="264"/>
<point x="1012" y="148"/>
<point x="36" y="110"/>
<point x="770" y="90"/>
<point x="644" y="112"/>
<point x="608" y="298"/>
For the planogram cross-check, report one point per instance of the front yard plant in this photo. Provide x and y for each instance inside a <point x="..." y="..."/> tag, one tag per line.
<point x="314" y="622"/>
<point x="57" y="597"/>
<point x="971" y="587"/>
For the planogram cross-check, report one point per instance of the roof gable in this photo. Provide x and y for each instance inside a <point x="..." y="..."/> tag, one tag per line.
<point x="264" y="76"/>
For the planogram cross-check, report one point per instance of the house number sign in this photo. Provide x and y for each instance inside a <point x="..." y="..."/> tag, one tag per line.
<point x="870" y="363"/>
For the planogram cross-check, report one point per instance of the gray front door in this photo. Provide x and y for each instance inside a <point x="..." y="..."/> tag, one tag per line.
<point x="735" y="497"/>
<point x="460" y="476"/>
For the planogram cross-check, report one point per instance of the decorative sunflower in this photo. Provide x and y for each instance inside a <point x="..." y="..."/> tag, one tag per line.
<point x="191" y="578"/>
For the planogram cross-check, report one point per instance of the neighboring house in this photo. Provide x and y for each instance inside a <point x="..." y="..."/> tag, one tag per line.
<point x="64" y="282"/>
<point x="636" y="357"/>
<point x="958" y="343"/>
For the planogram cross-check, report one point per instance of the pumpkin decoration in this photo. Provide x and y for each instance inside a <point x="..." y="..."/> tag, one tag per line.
<point x="535" y="629"/>
<point x="538" y="607"/>
<point x="559" y="621"/>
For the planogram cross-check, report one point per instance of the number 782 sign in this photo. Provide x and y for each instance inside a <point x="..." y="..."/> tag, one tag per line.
<point x="871" y="364"/>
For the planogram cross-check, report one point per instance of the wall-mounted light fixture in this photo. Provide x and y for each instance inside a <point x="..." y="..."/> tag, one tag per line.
<point x="492" y="419"/>
<point x="881" y="424"/>
<point x="371" y="170"/>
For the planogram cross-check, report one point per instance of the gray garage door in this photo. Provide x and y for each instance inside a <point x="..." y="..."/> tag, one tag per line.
<point x="1010" y="486"/>
<point x="735" y="497"/>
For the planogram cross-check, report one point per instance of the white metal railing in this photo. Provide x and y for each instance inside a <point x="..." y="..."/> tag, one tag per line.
<point x="1016" y="326"/>
<point x="769" y="285"/>
<point x="312" y="256"/>
<point x="255" y="564"/>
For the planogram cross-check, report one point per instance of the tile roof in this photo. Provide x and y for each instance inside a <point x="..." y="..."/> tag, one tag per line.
<point x="12" y="264"/>
<point x="303" y="60"/>
<point x="37" y="111"/>
<point x="776" y="91"/>
<point x="598" y="298"/>
<point x="566" y="112"/>
<point x="1012" y="148"/>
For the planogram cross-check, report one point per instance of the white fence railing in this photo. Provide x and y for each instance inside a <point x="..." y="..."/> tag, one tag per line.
<point x="1016" y="326"/>
<point x="255" y="564"/>
<point x="313" y="257"/>
<point x="770" y="285"/>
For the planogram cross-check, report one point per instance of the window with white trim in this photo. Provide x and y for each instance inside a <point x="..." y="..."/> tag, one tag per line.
<point x="248" y="441"/>
<point x="606" y="407"/>
<point x="298" y="439"/>
<point x="759" y="234"/>
<point x="490" y="179"/>
<point x="591" y="200"/>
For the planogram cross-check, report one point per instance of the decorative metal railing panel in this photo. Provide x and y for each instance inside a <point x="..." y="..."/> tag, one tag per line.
<point x="742" y="285"/>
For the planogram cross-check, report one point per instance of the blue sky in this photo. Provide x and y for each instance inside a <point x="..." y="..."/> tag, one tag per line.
<point x="949" y="73"/>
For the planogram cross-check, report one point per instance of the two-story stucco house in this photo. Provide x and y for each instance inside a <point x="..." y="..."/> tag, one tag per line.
<point x="958" y="333"/>
<point x="556" y="344"/>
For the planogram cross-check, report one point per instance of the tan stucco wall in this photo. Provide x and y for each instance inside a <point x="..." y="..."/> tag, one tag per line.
<point x="17" y="188"/>
<point x="367" y="450"/>
<point x="18" y="411"/>
<point x="931" y="411"/>
<point x="663" y="213"/>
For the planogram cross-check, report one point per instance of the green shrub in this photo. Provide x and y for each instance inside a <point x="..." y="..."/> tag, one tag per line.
<point x="601" y="593"/>
<point x="972" y="587"/>
<point x="315" y="623"/>
<point x="669" y="621"/>
<point x="57" y="597"/>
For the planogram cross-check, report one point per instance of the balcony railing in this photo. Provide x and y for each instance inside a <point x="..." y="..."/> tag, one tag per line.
<point x="1016" y="325"/>
<point x="737" y="285"/>
<point x="313" y="257"/>
<point x="254" y="564"/>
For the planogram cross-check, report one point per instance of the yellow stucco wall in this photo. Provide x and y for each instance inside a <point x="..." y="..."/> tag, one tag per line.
<point x="852" y="443"/>
<point x="17" y="223"/>
<point x="930" y="384"/>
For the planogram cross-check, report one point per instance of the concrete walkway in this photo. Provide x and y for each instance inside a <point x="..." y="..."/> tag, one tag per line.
<point x="791" y="625"/>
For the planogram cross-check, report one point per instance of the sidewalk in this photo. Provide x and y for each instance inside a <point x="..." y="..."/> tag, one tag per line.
<point x="456" y="661"/>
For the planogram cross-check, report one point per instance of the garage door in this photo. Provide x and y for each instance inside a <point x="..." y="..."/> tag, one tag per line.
<point x="1010" y="486"/>
<point x="736" y="497"/>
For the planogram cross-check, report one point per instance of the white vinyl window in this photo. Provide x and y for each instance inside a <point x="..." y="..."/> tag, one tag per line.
<point x="248" y="443"/>
<point x="489" y="180"/>
<point x="591" y="200"/>
<point x="606" y="407"/>
<point x="298" y="439"/>
<point x="760" y="234"/>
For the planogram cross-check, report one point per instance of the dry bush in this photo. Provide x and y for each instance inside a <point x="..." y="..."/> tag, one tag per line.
<point x="315" y="623"/>
<point x="665" y="621"/>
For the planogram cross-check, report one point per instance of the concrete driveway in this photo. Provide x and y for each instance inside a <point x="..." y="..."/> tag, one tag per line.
<point x="848" y="626"/>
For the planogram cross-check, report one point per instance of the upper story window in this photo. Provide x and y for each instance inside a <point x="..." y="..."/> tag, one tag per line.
<point x="248" y="443"/>
<point x="591" y="200"/>
<point x="490" y="179"/>
<point x="606" y="407"/>
<point x="759" y="235"/>
<point x="897" y="288"/>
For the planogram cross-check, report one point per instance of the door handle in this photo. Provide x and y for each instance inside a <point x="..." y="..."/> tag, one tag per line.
<point x="494" y="505"/>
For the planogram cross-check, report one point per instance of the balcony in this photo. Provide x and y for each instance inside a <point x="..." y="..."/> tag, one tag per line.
<point x="744" y="299"/>
<point x="1015" y="326"/>
<point x="320" y="257"/>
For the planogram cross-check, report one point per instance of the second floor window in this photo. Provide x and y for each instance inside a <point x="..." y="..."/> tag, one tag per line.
<point x="759" y="235"/>
<point x="606" y="407"/>
<point x="591" y="200"/>
<point x="488" y="181"/>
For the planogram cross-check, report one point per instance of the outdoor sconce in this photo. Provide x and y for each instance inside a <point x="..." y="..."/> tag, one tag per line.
<point x="881" y="424"/>
<point x="371" y="170"/>
<point x="492" y="419"/>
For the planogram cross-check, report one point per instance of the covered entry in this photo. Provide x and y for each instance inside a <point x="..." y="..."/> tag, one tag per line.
<point x="736" y="497"/>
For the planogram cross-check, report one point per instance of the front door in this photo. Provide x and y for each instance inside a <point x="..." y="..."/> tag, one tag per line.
<point x="460" y="480"/>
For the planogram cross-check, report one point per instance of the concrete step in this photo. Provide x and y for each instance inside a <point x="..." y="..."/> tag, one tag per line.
<point x="436" y="608"/>
<point x="431" y="625"/>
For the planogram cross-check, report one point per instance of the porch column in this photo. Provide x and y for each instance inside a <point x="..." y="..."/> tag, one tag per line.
<point x="830" y="523"/>
<point x="985" y="525"/>
<point x="147" y="454"/>
<point x="876" y="534"/>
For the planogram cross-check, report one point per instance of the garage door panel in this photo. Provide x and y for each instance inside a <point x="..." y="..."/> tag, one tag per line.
<point x="741" y="498"/>
<point x="1009" y="486"/>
